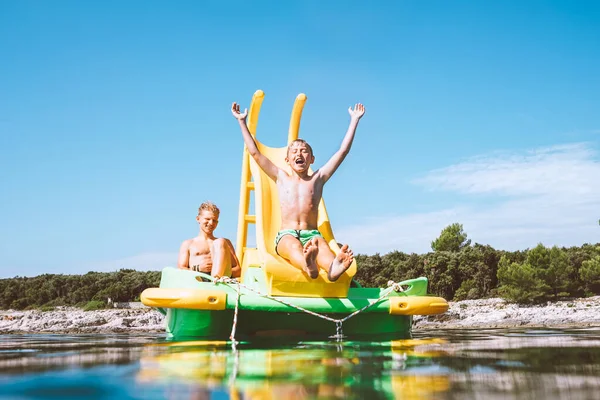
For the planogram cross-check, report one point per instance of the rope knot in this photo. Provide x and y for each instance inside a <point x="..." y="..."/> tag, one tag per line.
<point x="395" y="286"/>
<point x="224" y="279"/>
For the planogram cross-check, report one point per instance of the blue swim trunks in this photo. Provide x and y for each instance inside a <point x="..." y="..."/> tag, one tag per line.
<point x="302" y="235"/>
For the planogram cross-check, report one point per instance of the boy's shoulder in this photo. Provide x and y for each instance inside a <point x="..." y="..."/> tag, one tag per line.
<point x="194" y="240"/>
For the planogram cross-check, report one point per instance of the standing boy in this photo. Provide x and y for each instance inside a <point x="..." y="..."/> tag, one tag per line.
<point x="300" y="192"/>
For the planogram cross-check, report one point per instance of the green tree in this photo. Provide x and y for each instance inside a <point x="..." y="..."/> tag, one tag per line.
<point x="478" y="267"/>
<point x="452" y="238"/>
<point x="369" y="273"/>
<point x="552" y="266"/>
<point x="590" y="274"/>
<point x="441" y="268"/>
<point x="519" y="283"/>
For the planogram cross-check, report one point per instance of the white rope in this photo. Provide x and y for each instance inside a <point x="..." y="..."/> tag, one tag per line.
<point x="235" y="319"/>
<point x="392" y="286"/>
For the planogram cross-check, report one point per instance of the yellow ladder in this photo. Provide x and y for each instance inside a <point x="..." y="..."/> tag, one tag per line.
<point x="247" y="185"/>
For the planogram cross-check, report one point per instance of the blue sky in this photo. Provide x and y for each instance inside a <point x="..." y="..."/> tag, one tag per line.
<point x="115" y="121"/>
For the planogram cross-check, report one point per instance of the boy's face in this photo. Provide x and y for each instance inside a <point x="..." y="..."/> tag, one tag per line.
<point x="208" y="221"/>
<point x="299" y="157"/>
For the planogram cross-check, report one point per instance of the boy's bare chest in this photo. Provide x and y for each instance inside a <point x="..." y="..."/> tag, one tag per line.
<point x="200" y="247"/>
<point x="293" y="187"/>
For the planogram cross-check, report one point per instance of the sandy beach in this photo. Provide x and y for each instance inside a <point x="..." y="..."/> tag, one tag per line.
<point x="485" y="313"/>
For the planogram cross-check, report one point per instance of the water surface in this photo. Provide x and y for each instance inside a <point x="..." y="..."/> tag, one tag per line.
<point x="434" y="364"/>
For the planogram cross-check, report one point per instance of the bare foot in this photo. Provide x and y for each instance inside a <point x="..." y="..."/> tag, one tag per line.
<point x="310" y="255"/>
<point x="341" y="263"/>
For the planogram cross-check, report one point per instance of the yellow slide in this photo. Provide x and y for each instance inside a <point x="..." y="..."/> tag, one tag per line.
<point x="282" y="279"/>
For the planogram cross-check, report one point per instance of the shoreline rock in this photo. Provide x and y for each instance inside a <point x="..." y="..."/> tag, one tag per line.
<point x="466" y="314"/>
<point x="74" y="320"/>
<point x="497" y="313"/>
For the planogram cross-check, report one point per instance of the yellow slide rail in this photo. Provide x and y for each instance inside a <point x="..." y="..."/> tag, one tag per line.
<point x="247" y="186"/>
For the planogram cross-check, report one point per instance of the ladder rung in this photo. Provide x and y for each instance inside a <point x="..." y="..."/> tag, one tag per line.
<point x="250" y="218"/>
<point x="250" y="185"/>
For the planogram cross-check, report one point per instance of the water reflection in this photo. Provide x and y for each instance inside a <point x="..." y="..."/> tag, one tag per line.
<point x="37" y="353"/>
<point x="487" y="364"/>
<point x="307" y="370"/>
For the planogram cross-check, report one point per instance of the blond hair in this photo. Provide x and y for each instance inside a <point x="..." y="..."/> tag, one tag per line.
<point x="209" y="206"/>
<point x="300" y="141"/>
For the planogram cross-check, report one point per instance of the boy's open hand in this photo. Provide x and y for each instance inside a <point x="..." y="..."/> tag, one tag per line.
<point x="235" y="110"/>
<point x="358" y="112"/>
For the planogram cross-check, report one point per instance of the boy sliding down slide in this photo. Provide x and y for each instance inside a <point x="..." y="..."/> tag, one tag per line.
<point x="300" y="192"/>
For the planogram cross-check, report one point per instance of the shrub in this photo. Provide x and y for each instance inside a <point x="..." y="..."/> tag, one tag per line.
<point x="94" y="305"/>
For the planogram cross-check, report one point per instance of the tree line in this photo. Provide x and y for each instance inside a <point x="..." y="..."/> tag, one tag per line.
<point x="456" y="269"/>
<point x="53" y="290"/>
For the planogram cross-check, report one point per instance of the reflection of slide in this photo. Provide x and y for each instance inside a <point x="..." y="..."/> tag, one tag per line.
<point x="314" y="370"/>
<point x="282" y="278"/>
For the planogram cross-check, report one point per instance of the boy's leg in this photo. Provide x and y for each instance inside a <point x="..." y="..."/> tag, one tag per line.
<point x="221" y="258"/>
<point x="334" y="265"/>
<point x="304" y="258"/>
<point x="325" y="256"/>
<point x="236" y="268"/>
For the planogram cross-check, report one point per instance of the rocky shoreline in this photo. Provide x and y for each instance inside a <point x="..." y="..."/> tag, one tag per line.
<point x="484" y="313"/>
<point x="74" y="320"/>
<point x="497" y="313"/>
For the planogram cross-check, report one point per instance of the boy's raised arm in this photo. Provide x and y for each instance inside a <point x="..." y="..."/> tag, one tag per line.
<point x="263" y="162"/>
<point x="334" y="162"/>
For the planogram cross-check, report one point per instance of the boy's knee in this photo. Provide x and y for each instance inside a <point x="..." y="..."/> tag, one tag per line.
<point x="220" y="242"/>
<point x="220" y="245"/>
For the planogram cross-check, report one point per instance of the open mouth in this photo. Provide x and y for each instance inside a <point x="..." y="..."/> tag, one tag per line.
<point x="299" y="161"/>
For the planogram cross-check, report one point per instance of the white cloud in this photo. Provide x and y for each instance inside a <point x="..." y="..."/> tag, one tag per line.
<point x="568" y="169"/>
<point x="549" y="195"/>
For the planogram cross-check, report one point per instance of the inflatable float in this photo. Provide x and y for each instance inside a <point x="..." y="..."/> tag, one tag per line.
<point x="272" y="297"/>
